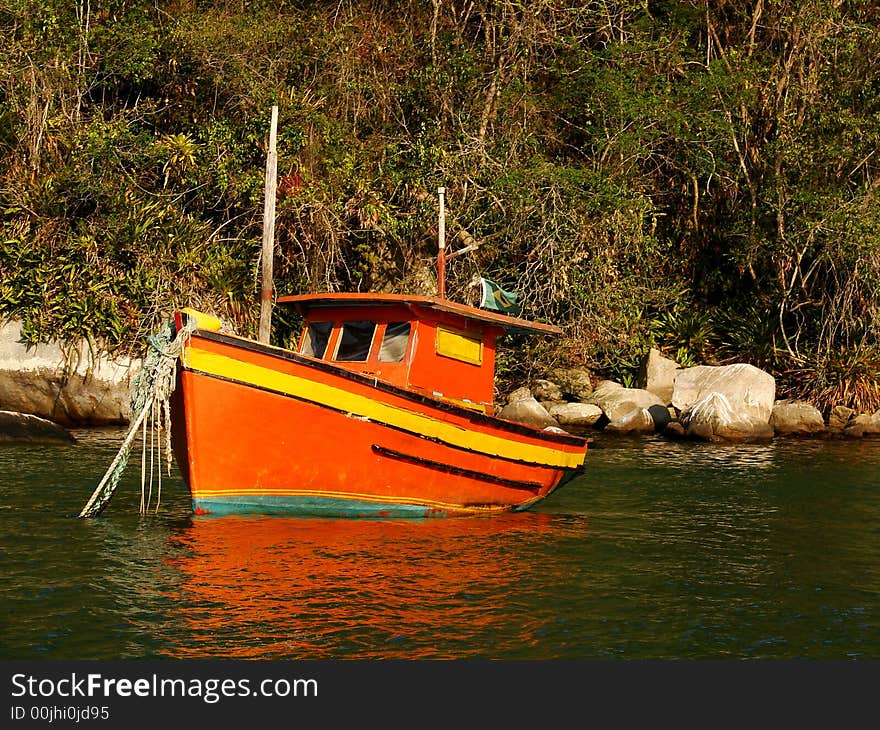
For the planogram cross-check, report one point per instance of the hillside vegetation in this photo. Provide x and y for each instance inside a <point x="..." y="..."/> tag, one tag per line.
<point x="697" y="176"/>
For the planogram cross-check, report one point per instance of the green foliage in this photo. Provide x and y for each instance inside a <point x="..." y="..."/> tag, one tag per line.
<point x="698" y="178"/>
<point x="686" y="331"/>
<point x="849" y="378"/>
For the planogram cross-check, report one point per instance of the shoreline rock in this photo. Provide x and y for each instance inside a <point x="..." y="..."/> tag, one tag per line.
<point x="657" y="375"/>
<point x="617" y="401"/>
<point x="523" y="407"/>
<point x="714" y="418"/>
<point x="733" y="403"/>
<point x="70" y="385"/>
<point x="796" y="418"/>
<point x="24" y="427"/>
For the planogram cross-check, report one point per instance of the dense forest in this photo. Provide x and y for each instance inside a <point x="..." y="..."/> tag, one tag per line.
<point x="698" y="176"/>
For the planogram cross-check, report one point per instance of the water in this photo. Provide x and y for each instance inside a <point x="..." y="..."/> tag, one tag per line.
<point x="661" y="550"/>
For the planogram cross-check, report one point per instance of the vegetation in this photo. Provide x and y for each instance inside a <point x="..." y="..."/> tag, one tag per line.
<point x="695" y="175"/>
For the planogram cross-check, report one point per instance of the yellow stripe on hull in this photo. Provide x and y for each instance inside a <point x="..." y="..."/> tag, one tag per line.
<point x="365" y="407"/>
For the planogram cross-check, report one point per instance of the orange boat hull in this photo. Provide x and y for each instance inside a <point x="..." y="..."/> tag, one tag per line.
<point x="263" y="430"/>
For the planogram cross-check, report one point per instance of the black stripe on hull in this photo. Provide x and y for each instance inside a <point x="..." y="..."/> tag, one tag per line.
<point x="457" y="471"/>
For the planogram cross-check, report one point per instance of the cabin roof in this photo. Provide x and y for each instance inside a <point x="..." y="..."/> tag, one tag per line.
<point x="305" y="302"/>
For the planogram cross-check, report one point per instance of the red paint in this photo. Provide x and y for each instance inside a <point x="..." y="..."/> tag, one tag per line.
<point x="233" y="436"/>
<point x="422" y="370"/>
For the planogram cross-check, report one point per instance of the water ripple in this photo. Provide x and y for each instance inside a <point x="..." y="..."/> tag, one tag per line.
<point x="658" y="551"/>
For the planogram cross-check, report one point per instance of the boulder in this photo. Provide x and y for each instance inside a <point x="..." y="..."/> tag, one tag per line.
<point x="556" y="429"/>
<point x="575" y="383"/>
<point x="578" y="415"/>
<point x="661" y="415"/>
<point x="524" y="408"/>
<point x="68" y="385"/>
<point x="674" y="430"/>
<point x="518" y="395"/>
<point x="870" y="423"/>
<point x="637" y="420"/>
<point x="551" y="404"/>
<point x="617" y="401"/>
<point x="547" y="390"/>
<point x="854" y="431"/>
<point x="713" y="418"/>
<point x="27" y="428"/>
<point x="839" y="418"/>
<point x="747" y="390"/>
<point x="657" y="375"/>
<point x="796" y="418"/>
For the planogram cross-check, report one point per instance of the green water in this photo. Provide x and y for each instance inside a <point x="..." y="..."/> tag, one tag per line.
<point x="661" y="550"/>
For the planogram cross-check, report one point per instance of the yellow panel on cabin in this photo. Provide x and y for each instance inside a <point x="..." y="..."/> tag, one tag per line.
<point x="460" y="346"/>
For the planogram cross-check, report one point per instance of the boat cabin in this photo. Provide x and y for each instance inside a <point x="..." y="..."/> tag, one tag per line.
<point x="424" y="344"/>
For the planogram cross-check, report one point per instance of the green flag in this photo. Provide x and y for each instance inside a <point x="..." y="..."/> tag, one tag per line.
<point x="496" y="298"/>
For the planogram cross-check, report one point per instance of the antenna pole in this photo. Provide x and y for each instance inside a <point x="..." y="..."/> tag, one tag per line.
<point x="441" y="253"/>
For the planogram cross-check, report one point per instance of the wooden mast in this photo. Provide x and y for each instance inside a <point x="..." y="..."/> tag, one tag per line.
<point x="441" y="253"/>
<point x="268" y="250"/>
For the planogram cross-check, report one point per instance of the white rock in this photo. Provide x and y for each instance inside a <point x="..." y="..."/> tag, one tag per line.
<point x="576" y="414"/>
<point x="749" y="391"/>
<point x="796" y="418"/>
<point x="617" y="401"/>
<point x="65" y="385"/>
<point x="657" y="375"/>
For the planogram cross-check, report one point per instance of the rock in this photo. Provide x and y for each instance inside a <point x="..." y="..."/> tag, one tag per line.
<point x="617" y="401"/>
<point x="657" y="375"/>
<point x="518" y="395"/>
<point x="747" y="390"/>
<point x="525" y="409"/>
<point x="551" y="404"/>
<point x="714" y="419"/>
<point x="575" y="383"/>
<point x="546" y="390"/>
<point x="661" y="416"/>
<point x="854" y="431"/>
<point x="839" y="418"/>
<point x="870" y="423"/>
<point x="637" y="420"/>
<point x="555" y="429"/>
<point x="71" y="386"/>
<point x="674" y="430"/>
<point x="25" y="427"/>
<point x="796" y="418"/>
<point x="579" y="415"/>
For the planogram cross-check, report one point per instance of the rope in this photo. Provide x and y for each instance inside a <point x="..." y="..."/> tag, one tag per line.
<point x="150" y="394"/>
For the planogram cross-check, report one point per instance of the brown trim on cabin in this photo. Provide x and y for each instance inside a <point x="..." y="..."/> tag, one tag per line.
<point x="304" y="302"/>
<point x="328" y="367"/>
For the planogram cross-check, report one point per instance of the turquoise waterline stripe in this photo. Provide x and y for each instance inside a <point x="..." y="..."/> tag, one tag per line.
<point x="310" y="507"/>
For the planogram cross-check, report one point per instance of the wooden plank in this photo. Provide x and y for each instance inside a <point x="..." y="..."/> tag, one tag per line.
<point x="268" y="250"/>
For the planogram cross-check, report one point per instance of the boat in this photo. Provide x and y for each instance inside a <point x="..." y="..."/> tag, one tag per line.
<point x="383" y="409"/>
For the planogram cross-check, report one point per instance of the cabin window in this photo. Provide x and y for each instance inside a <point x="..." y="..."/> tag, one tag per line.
<point x="354" y="344"/>
<point x="394" y="342"/>
<point x="315" y="342"/>
<point x="464" y="346"/>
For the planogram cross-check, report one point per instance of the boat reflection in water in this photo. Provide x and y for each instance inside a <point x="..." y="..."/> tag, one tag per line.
<point x="273" y="588"/>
